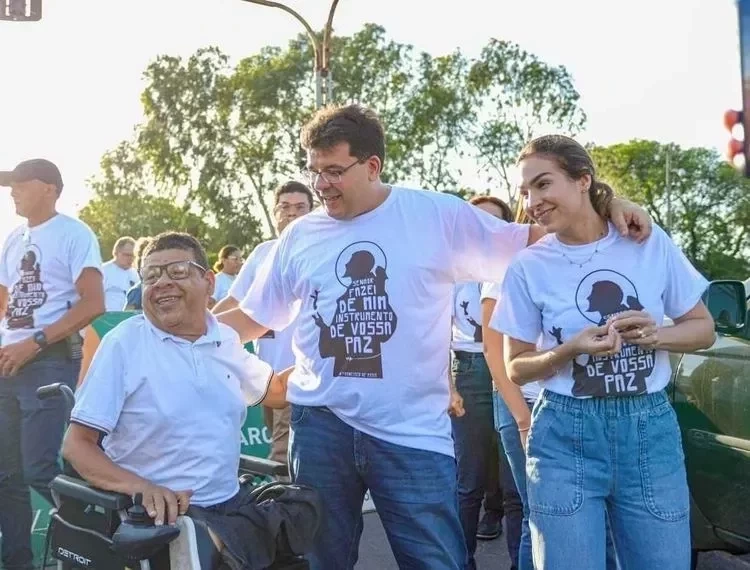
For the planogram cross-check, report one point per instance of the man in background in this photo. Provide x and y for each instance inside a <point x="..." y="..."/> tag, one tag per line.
<point x="119" y="274"/>
<point x="292" y="200"/>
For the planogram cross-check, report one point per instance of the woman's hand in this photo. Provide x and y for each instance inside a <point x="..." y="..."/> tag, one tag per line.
<point x="604" y="340"/>
<point x="636" y="327"/>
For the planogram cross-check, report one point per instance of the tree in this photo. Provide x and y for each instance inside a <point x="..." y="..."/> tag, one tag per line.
<point x="220" y="137"/>
<point x="710" y="201"/>
<point x="128" y="201"/>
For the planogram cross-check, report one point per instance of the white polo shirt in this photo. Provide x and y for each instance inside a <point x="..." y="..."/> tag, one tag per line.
<point x="172" y="410"/>
<point x="117" y="283"/>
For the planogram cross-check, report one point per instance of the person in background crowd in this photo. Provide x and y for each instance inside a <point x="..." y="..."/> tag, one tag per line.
<point x="603" y="444"/>
<point x="369" y="281"/>
<point x="292" y="200"/>
<point x="50" y="288"/>
<point x="134" y="297"/>
<point x="226" y="269"/>
<point x="119" y="274"/>
<point x="474" y="434"/>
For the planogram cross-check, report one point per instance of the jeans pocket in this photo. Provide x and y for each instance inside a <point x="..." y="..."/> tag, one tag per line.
<point x="554" y="461"/>
<point x="662" y="463"/>
<point x="297" y="414"/>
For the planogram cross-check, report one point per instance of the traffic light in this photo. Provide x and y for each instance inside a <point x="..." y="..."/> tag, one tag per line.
<point x="21" y="10"/>
<point x="736" y="146"/>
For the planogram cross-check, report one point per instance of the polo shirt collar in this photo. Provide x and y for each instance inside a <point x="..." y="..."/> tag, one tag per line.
<point x="213" y="333"/>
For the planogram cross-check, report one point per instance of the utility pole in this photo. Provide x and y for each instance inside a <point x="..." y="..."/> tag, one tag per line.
<point x="321" y="50"/>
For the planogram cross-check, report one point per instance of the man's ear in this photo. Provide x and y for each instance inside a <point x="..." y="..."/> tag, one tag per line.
<point x="211" y="278"/>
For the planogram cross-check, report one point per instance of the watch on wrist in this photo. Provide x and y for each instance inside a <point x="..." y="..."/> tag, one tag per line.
<point x="41" y="339"/>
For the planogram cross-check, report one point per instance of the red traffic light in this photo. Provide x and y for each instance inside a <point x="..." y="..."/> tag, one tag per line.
<point x="732" y="118"/>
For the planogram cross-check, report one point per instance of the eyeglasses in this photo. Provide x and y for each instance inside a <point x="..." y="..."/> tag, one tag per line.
<point x="329" y="176"/>
<point x="239" y="259"/>
<point x="176" y="271"/>
<point x="286" y="207"/>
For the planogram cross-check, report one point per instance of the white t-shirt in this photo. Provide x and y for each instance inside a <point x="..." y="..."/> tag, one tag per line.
<point x="40" y="266"/>
<point x="176" y="418"/>
<point x="553" y="291"/>
<point x="467" y="318"/>
<point x="274" y="347"/>
<point x="223" y="285"/>
<point x="374" y="297"/>
<point x="117" y="283"/>
<point x="531" y="390"/>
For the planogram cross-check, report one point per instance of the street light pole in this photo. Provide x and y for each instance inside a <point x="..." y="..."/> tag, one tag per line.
<point x="321" y="50"/>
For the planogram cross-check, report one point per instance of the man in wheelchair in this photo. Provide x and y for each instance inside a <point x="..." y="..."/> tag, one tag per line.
<point x="160" y="411"/>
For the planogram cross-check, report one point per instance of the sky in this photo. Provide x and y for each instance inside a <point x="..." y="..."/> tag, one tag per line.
<point x="654" y="69"/>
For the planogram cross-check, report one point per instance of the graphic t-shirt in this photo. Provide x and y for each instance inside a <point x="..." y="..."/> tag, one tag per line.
<point x="223" y="284"/>
<point x="590" y="284"/>
<point x="40" y="266"/>
<point x="374" y="297"/>
<point x="117" y="283"/>
<point x="274" y="347"/>
<point x="467" y="318"/>
<point x="531" y="390"/>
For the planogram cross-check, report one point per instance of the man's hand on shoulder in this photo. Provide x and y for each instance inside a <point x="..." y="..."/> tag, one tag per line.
<point x="630" y="219"/>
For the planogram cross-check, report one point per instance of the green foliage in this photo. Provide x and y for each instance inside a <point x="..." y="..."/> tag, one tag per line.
<point x="217" y="138"/>
<point x="710" y="201"/>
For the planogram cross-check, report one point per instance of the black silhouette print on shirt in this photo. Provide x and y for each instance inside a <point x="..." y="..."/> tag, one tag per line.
<point x="364" y="319"/>
<point x="600" y="295"/>
<point x="477" y="326"/>
<point x="28" y="292"/>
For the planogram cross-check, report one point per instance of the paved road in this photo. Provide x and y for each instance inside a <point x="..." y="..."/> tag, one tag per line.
<point x="375" y="554"/>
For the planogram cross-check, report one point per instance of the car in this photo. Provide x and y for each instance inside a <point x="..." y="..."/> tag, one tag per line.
<point x="710" y="392"/>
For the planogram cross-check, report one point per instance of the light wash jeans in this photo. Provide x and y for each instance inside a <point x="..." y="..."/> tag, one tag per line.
<point x="587" y="458"/>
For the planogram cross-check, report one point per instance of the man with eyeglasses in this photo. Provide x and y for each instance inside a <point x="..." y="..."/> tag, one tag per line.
<point x="369" y="279"/>
<point x="50" y="288"/>
<point x="292" y="200"/>
<point x="169" y="389"/>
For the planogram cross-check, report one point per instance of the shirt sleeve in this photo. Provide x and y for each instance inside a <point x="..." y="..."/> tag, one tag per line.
<point x="483" y="245"/>
<point x="254" y="374"/>
<point x="83" y="252"/>
<point x="490" y="290"/>
<point x="684" y="284"/>
<point x="4" y="275"/>
<point x="516" y="315"/>
<point x="241" y="285"/>
<point x="271" y="301"/>
<point x="100" y="398"/>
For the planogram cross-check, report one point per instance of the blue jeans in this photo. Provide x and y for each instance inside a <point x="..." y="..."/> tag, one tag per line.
<point x="414" y="492"/>
<point x="621" y="457"/>
<point x="474" y="437"/>
<point x="31" y="432"/>
<point x="511" y="445"/>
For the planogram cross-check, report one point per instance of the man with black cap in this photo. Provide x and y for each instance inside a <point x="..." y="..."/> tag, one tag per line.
<point x="50" y="288"/>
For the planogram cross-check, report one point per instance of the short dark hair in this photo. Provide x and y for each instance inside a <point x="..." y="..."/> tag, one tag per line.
<point x="293" y="186"/>
<point x="507" y="215"/>
<point x="177" y="240"/>
<point x="140" y="247"/>
<point x="354" y="124"/>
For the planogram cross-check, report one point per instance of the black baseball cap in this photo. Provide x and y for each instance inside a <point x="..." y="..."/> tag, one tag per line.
<point x="34" y="169"/>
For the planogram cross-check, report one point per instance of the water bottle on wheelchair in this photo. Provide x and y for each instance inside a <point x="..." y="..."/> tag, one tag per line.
<point x="93" y="529"/>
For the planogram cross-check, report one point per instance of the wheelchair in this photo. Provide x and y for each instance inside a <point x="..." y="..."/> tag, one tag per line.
<point x="93" y="529"/>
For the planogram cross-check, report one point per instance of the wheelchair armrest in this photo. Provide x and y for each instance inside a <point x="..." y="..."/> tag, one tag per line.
<point x="79" y="489"/>
<point x="260" y="466"/>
